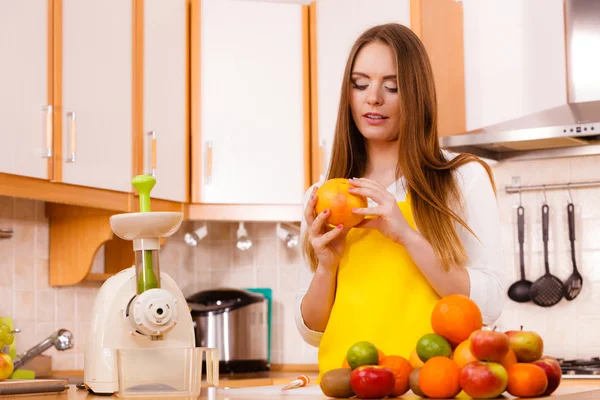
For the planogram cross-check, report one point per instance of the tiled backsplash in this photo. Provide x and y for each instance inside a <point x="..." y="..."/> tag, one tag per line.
<point x="568" y="328"/>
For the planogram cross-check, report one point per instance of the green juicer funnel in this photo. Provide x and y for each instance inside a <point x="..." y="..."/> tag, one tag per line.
<point x="145" y="228"/>
<point x="147" y="279"/>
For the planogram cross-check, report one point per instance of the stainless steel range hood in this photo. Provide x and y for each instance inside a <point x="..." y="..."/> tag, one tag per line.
<point x="569" y="130"/>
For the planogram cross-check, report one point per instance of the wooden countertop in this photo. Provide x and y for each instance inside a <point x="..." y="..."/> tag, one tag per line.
<point x="569" y="390"/>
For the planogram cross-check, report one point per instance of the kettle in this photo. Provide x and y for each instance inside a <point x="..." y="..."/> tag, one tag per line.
<point x="236" y="322"/>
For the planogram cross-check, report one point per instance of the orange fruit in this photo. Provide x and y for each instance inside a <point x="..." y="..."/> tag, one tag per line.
<point x="440" y="378"/>
<point x="509" y="359"/>
<point x="455" y="317"/>
<point x="414" y="359"/>
<point x="334" y="196"/>
<point x="526" y="380"/>
<point x="380" y="355"/>
<point x="462" y="354"/>
<point x="401" y="369"/>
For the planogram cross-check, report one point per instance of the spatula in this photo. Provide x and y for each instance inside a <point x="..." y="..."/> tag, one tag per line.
<point x="573" y="284"/>
<point x="547" y="290"/>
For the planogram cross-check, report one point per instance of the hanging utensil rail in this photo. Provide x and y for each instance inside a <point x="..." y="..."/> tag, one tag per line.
<point x="573" y="185"/>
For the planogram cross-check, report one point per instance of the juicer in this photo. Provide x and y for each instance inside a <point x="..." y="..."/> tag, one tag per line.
<point x="139" y="307"/>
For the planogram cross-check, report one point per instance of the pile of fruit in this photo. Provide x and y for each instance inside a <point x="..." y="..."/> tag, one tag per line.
<point x="460" y="355"/>
<point x="6" y="364"/>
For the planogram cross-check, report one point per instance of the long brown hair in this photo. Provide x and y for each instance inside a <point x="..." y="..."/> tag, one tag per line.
<point x="432" y="187"/>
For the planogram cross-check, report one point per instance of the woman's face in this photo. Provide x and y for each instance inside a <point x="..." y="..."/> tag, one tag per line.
<point x="374" y="98"/>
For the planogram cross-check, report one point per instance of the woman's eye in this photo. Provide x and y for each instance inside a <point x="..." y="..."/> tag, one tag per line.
<point x="393" y="90"/>
<point x="359" y="87"/>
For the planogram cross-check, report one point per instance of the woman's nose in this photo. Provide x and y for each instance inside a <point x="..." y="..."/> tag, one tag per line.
<point x="374" y="96"/>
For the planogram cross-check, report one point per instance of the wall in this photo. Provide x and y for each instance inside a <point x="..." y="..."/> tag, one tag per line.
<point x="40" y="310"/>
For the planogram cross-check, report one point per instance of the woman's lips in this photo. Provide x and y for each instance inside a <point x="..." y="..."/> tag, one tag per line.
<point x="374" y="119"/>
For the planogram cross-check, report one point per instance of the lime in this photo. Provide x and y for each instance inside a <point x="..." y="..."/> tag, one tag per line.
<point x="362" y="353"/>
<point x="432" y="345"/>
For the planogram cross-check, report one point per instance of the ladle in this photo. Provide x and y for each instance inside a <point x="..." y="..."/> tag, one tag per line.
<point x="519" y="291"/>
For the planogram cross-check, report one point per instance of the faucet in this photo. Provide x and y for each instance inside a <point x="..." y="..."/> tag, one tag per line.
<point x="61" y="339"/>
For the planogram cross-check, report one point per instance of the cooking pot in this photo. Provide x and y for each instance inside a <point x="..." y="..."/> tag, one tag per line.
<point x="235" y="321"/>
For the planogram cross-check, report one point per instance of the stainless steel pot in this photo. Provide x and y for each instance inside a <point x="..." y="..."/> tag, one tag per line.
<point x="236" y="322"/>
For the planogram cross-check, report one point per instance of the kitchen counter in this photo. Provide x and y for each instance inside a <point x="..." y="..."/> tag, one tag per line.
<point x="238" y="380"/>
<point x="569" y="390"/>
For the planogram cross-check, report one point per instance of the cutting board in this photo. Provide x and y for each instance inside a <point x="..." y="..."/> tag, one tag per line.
<point x="32" y="386"/>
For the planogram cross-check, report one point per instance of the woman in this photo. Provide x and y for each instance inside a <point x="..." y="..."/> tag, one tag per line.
<point x="431" y="226"/>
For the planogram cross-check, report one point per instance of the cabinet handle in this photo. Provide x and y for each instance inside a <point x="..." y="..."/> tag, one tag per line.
<point x="151" y="157"/>
<point x="321" y="155"/>
<point x="71" y="135"/>
<point x="208" y="162"/>
<point x="48" y="133"/>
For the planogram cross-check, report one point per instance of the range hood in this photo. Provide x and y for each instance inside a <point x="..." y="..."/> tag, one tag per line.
<point x="569" y="130"/>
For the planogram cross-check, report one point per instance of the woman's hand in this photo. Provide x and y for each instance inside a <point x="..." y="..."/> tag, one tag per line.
<point x="328" y="243"/>
<point x="389" y="219"/>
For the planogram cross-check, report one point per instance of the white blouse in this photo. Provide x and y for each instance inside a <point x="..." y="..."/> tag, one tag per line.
<point x="486" y="260"/>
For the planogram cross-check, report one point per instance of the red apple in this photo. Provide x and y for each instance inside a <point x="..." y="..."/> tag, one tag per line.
<point x="483" y="380"/>
<point x="489" y="345"/>
<point x="372" y="381"/>
<point x="552" y="369"/>
<point x="527" y="345"/>
<point x="6" y="366"/>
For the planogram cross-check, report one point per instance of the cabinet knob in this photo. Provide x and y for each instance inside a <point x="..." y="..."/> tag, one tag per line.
<point x="151" y="154"/>
<point x="71" y="136"/>
<point x="209" y="162"/>
<point x="48" y="132"/>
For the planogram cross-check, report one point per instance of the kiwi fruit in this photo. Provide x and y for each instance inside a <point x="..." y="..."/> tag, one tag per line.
<point x="336" y="383"/>
<point x="413" y="381"/>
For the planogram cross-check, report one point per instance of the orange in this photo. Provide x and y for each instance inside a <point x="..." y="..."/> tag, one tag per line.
<point x="414" y="359"/>
<point x="334" y="196"/>
<point x="526" y="380"/>
<point x="455" y="317"/>
<point x="401" y="369"/>
<point x="462" y="354"/>
<point x="509" y="359"/>
<point x="440" y="378"/>
<point x="380" y="355"/>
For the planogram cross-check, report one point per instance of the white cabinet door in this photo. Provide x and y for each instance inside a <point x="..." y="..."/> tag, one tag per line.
<point x="339" y="24"/>
<point x="514" y="59"/>
<point x="97" y="91"/>
<point x="25" y="126"/>
<point x="165" y="96"/>
<point x="251" y="107"/>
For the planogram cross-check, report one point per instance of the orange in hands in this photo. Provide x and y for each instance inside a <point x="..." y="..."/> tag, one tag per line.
<point x="334" y="196"/>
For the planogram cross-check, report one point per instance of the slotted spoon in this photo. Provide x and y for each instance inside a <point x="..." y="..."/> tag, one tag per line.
<point x="573" y="284"/>
<point x="547" y="290"/>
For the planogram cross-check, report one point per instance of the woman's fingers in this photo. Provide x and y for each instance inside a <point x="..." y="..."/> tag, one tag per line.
<point x="368" y="189"/>
<point x="309" y="211"/>
<point x="320" y="242"/>
<point x="370" y="223"/>
<point x="368" y="211"/>
<point x="319" y="221"/>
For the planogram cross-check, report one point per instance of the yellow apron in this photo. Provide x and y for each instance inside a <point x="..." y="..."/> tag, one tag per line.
<point x="381" y="297"/>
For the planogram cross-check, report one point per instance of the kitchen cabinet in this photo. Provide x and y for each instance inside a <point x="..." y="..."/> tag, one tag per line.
<point x="250" y="108"/>
<point x="97" y="94"/>
<point x="350" y="19"/>
<point x="165" y="130"/>
<point x="438" y="24"/>
<point x="514" y="59"/>
<point x="25" y="108"/>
